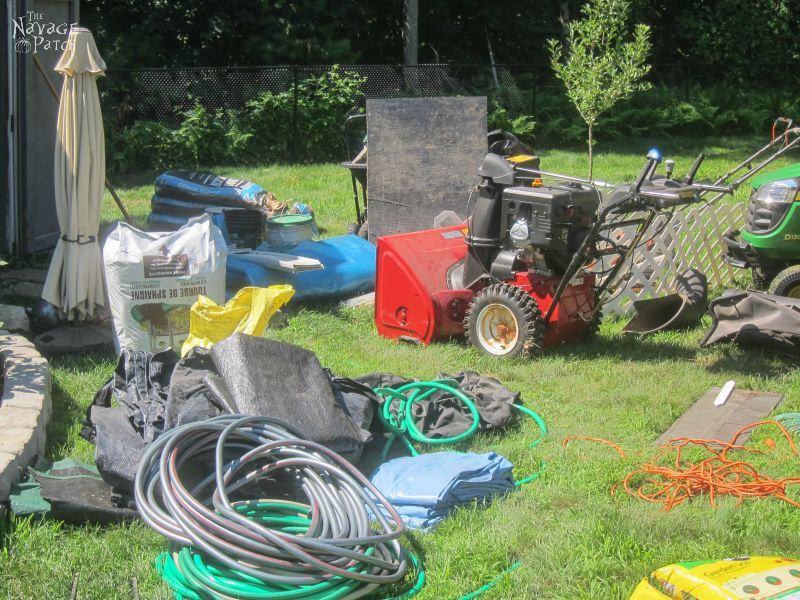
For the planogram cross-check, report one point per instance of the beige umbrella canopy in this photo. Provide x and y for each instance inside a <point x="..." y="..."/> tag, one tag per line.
<point x="75" y="279"/>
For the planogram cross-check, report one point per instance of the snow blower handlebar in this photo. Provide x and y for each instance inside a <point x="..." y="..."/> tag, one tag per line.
<point x="645" y="194"/>
<point x="786" y="141"/>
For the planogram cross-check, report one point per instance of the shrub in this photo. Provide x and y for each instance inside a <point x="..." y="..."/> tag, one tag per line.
<point x="263" y="131"/>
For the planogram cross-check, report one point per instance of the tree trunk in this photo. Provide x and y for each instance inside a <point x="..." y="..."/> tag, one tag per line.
<point x="591" y="155"/>
<point x="563" y="17"/>
<point x="410" y="32"/>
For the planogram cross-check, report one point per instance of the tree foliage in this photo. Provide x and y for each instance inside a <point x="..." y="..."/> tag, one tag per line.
<point x="604" y="63"/>
<point x="156" y="33"/>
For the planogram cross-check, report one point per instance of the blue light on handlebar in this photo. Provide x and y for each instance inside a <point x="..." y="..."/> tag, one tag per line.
<point x="654" y="154"/>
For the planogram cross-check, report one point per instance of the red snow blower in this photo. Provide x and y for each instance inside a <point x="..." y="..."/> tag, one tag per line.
<point x="517" y="278"/>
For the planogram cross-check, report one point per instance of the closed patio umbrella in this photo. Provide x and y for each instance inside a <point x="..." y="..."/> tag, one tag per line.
<point x="75" y="280"/>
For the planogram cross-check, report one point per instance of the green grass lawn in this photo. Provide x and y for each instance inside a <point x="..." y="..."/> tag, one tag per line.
<point x="574" y="539"/>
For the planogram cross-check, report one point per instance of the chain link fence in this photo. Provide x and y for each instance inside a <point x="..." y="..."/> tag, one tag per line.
<point x="165" y="96"/>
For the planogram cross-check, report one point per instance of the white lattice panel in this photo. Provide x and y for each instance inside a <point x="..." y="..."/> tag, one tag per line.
<point x="692" y="239"/>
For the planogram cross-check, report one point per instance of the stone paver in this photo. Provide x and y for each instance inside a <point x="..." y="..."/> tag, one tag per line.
<point x="32" y="275"/>
<point x="25" y="407"/>
<point x="26" y="289"/>
<point x="14" y="318"/>
<point x="9" y="472"/>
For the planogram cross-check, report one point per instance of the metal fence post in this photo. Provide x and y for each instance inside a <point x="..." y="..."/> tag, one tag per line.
<point x="294" y="115"/>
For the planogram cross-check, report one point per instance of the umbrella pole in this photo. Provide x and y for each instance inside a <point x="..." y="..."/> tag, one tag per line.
<point x="53" y="91"/>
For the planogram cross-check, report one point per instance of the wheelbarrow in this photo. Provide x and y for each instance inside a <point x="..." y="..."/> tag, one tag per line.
<point x="356" y="142"/>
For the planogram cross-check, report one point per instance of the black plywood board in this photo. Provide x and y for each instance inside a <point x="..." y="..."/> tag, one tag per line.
<point x="706" y="421"/>
<point x="423" y="158"/>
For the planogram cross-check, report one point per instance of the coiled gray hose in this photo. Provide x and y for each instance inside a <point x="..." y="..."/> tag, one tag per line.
<point x="339" y="547"/>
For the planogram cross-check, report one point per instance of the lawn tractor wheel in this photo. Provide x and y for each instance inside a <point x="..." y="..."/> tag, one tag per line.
<point x="787" y="283"/>
<point x="503" y="320"/>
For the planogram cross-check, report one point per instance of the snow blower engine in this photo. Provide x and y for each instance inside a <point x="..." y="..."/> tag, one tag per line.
<point x="522" y="274"/>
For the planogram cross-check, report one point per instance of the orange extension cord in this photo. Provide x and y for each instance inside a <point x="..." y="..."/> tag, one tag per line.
<point x="718" y="475"/>
<point x="589" y="438"/>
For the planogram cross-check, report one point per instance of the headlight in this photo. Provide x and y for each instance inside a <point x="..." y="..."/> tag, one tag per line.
<point x="782" y="191"/>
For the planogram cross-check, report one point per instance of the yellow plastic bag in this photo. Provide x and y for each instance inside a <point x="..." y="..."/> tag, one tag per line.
<point x="750" y="578"/>
<point x="249" y="311"/>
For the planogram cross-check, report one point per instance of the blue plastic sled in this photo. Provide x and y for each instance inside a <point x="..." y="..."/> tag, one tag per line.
<point x="349" y="269"/>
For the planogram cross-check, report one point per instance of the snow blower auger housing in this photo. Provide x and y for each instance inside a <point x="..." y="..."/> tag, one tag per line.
<point x="516" y="278"/>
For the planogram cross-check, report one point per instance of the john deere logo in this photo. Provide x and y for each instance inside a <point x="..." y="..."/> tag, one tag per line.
<point x="791" y="237"/>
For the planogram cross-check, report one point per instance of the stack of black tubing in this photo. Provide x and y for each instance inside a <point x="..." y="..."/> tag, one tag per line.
<point x="337" y="543"/>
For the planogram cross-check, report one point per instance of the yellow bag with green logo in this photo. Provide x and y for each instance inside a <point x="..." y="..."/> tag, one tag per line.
<point x="751" y="578"/>
<point x="249" y="311"/>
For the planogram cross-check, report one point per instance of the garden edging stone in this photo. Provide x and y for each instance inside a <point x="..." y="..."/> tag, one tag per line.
<point x="25" y="408"/>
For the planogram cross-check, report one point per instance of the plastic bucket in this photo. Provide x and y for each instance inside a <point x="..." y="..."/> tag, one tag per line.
<point x="288" y="230"/>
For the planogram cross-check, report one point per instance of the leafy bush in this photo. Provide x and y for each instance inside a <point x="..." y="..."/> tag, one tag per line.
<point x="523" y="126"/>
<point x="263" y="131"/>
<point x="663" y="111"/>
<point x="144" y="145"/>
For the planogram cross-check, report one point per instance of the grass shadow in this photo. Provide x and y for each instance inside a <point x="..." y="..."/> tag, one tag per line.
<point x="67" y="411"/>
<point x="71" y="394"/>
<point x="628" y="348"/>
<point x="752" y="362"/>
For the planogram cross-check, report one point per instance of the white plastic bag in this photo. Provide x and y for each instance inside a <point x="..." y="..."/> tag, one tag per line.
<point x="154" y="278"/>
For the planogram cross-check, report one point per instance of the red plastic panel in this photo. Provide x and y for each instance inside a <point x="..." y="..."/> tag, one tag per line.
<point x="412" y="299"/>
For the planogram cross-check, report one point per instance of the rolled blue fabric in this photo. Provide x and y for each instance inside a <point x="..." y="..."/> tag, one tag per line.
<point x="426" y="488"/>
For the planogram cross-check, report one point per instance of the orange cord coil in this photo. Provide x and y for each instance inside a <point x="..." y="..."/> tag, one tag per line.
<point x="716" y="476"/>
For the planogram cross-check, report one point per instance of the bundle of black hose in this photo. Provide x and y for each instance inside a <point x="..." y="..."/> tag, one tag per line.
<point x="243" y="536"/>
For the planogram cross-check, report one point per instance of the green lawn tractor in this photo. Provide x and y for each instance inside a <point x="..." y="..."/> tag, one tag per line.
<point x="769" y="244"/>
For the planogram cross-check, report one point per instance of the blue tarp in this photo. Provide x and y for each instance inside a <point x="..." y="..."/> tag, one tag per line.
<point x="426" y="488"/>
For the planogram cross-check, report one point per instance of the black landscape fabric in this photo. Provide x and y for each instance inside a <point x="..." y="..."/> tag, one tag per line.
<point x="284" y="381"/>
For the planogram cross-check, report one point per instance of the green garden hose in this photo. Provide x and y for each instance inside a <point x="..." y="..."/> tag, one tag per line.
<point x="214" y="552"/>
<point x="397" y="417"/>
<point x="492" y="583"/>
<point x="342" y="543"/>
